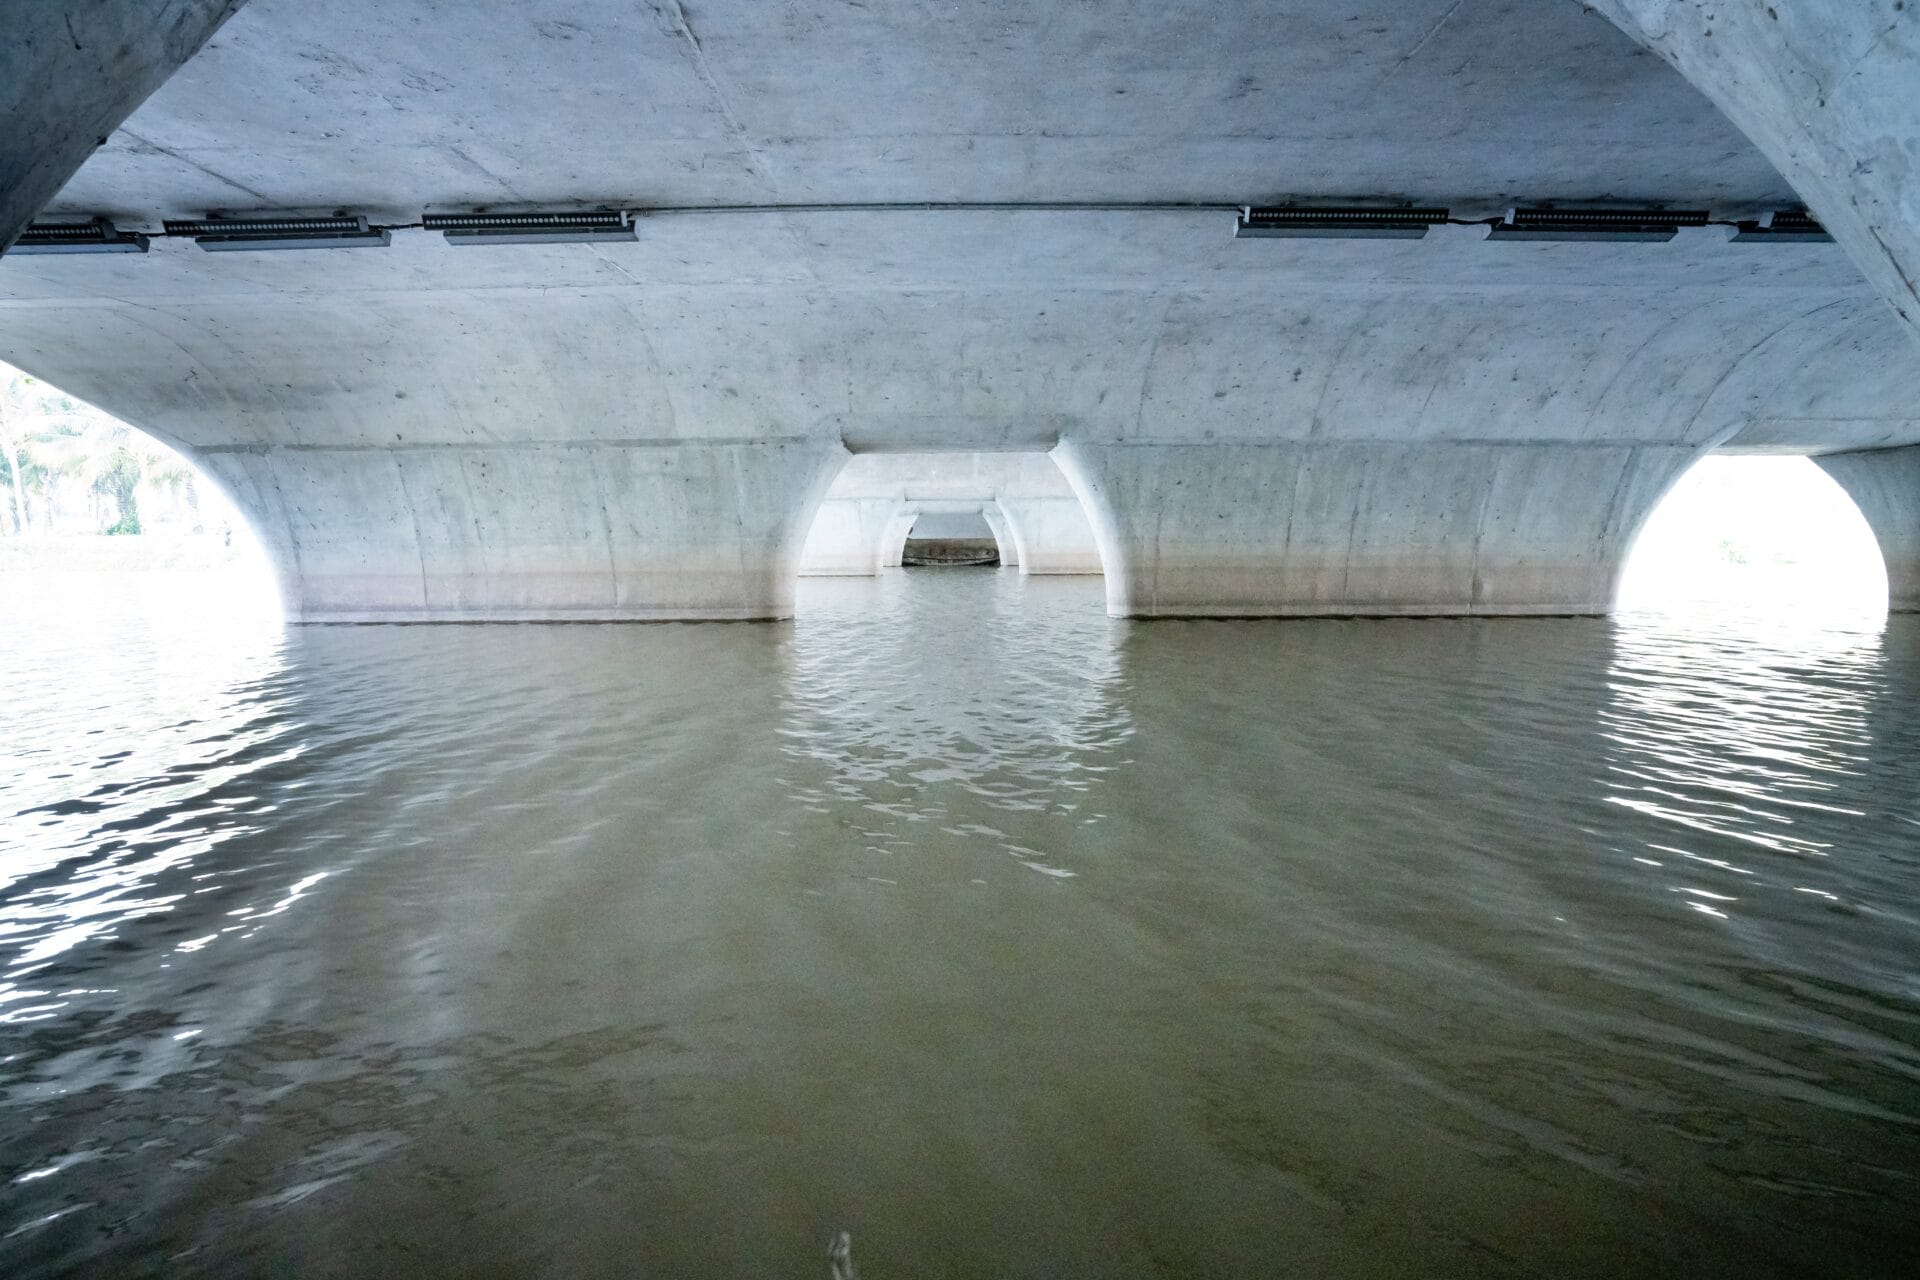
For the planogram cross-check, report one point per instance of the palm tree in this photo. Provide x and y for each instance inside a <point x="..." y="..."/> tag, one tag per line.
<point x="10" y="448"/>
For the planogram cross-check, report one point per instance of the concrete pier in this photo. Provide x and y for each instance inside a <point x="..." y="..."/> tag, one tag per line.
<point x="1885" y="485"/>
<point x="818" y="257"/>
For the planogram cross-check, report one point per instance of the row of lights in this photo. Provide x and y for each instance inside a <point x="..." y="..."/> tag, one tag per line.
<point x="347" y="232"/>
<point x="1357" y="222"/>
<point x="601" y="226"/>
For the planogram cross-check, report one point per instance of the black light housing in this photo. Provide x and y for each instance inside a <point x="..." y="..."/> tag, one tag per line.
<point x="1596" y="224"/>
<point x="1794" y="226"/>
<point x="1340" y="222"/>
<point x="218" y="234"/>
<point x="96" y="236"/>
<point x="588" y="226"/>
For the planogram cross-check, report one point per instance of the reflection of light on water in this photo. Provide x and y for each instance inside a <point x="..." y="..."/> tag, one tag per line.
<point x="1749" y="637"/>
<point x="1016" y="712"/>
<point x="1742" y="728"/>
<point x="1769" y="533"/>
<point x="139" y="713"/>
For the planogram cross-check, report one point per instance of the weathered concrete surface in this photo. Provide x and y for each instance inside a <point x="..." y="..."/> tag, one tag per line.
<point x="1885" y="485"/>
<point x="1427" y="424"/>
<point x="1829" y="90"/>
<point x="603" y="531"/>
<point x="1280" y="529"/>
<point x="1003" y="536"/>
<point x="849" y="536"/>
<point x="70" y="73"/>
<point x="1052" y="534"/>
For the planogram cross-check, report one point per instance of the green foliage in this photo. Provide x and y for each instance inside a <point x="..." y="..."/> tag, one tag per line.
<point x="119" y="479"/>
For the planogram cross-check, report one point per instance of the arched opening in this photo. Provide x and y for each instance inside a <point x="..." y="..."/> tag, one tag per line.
<point x="96" y="514"/>
<point x="1009" y="510"/>
<point x="1756" y="534"/>
<point x="950" y="540"/>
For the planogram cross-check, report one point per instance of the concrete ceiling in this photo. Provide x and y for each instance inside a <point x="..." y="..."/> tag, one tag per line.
<point x="401" y="105"/>
<point x="918" y="328"/>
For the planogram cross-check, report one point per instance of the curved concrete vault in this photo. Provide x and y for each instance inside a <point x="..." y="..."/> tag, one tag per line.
<point x="975" y="229"/>
<point x="1035" y="517"/>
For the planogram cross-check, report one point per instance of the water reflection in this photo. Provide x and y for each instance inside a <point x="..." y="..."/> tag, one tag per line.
<point x="998" y="724"/>
<point x="1744" y="728"/>
<point x="1007" y="938"/>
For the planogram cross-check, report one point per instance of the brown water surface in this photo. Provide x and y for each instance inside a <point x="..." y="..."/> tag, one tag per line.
<point x="1009" y="938"/>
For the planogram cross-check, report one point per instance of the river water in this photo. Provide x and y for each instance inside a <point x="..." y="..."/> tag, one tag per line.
<point x="1007" y="938"/>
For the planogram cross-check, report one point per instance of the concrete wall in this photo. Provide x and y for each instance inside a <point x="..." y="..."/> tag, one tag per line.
<point x="370" y="386"/>
<point x="1052" y="534"/>
<point x="1300" y="529"/>
<point x="835" y="259"/>
<point x="1885" y="485"/>
<point x="1829" y="90"/>
<point x="951" y="525"/>
<point x="70" y="73"/>
<point x="607" y="531"/>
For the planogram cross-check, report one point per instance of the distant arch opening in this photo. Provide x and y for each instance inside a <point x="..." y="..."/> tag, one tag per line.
<point x="1012" y="510"/>
<point x="97" y="513"/>
<point x="1755" y="534"/>
<point x="950" y="540"/>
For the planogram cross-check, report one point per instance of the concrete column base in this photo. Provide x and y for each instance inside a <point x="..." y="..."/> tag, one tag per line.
<point x="535" y="532"/>
<point x="848" y="538"/>
<point x="1003" y="536"/>
<point x="1053" y="535"/>
<point x="1322" y="529"/>
<point x="1885" y="485"/>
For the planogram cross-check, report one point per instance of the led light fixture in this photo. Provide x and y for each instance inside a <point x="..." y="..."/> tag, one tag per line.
<point x="1787" y="226"/>
<point x="1338" y="222"/>
<point x="1596" y="224"/>
<point x="97" y="236"/>
<point x="585" y="226"/>
<point x="219" y="234"/>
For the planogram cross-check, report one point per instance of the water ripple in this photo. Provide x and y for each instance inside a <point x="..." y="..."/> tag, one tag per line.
<point x="1008" y="937"/>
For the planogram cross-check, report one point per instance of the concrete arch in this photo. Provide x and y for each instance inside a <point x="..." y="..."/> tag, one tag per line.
<point x="1033" y="512"/>
<point x="1441" y="425"/>
<point x="1282" y="529"/>
<point x="1002" y="536"/>
<point x="907" y="518"/>
<point x="1829" y="91"/>
<point x="1885" y="485"/>
<point x="71" y="73"/>
<point x="603" y="532"/>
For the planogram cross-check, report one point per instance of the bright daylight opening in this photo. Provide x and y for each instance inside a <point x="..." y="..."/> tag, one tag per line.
<point x="92" y="509"/>
<point x="1756" y="534"/>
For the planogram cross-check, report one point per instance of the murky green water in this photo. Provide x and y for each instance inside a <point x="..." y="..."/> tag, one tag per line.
<point x="1011" y="939"/>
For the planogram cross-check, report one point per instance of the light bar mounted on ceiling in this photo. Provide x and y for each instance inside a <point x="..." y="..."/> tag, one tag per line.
<point x="96" y="236"/>
<point x="1787" y="226"/>
<point x="1338" y="222"/>
<point x="219" y="234"/>
<point x="584" y="226"/>
<point x="1596" y="224"/>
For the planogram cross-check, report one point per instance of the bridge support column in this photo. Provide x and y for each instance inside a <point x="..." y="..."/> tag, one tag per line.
<point x="1309" y="529"/>
<point x="848" y="538"/>
<point x="1053" y="534"/>
<point x="70" y="73"/>
<point x="1829" y="90"/>
<point x="1885" y="485"/>
<point x="587" y="531"/>
<point x="1003" y="535"/>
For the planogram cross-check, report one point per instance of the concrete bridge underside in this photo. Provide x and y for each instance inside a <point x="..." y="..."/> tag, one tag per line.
<point x="980" y="228"/>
